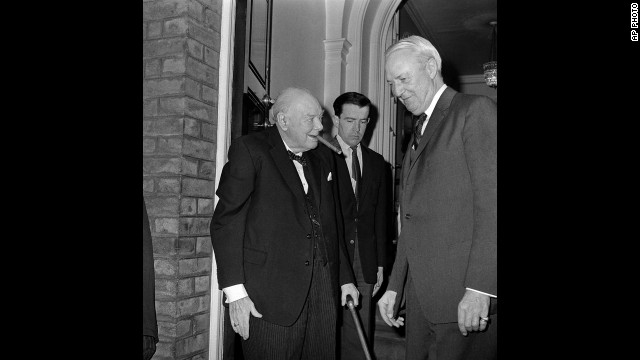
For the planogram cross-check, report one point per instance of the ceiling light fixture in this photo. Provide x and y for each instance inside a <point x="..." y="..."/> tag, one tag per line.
<point x="491" y="68"/>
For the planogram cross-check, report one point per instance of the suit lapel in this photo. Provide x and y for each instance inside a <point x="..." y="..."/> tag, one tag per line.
<point x="367" y="170"/>
<point x="344" y="177"/>
<point x="439" y="112"/>
<point x="315" y="167"/>
<point x="284" y="164"/>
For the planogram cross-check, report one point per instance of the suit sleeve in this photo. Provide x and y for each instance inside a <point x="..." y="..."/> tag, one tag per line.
<point x="480" y="149"/>
<point x="400" y="266"/>
<point x="399" y="271"/>
<point x="398" y="275"/>
<point x="229" y="218"/>
<point x="382" y="217"/>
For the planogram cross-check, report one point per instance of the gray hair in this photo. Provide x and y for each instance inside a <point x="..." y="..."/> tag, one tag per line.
<point x="421" y="47"/>
<point x="285" y="100"/>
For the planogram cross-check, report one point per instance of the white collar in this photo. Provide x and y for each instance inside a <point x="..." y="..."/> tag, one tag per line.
<point x="344" y="145"/>
<point x="288" y="148"/>
<point x="436" y="97"/>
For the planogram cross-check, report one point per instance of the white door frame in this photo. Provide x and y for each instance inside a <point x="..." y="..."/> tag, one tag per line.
<point x="223" y="140"/>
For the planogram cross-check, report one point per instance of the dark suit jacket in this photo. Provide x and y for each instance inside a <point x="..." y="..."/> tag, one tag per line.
<point x="371" y="217"/>
<point x="149" y="324"/>
<point x="448" y="206"/>
<point x="260" y="233"/>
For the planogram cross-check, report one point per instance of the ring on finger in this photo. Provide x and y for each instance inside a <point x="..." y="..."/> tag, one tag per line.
<point x="484" y="318"/>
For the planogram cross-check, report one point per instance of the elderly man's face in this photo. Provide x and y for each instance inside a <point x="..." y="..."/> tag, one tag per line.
<point x="410" y="81"/>
<point x="303" y="124"/>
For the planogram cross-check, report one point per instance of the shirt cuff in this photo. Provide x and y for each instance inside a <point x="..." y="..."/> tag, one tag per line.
<point x="490" y="295"/>
<point x="235" y="292"/>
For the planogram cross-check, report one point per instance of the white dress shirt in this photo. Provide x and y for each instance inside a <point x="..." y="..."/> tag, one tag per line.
<point x="432" y="106"/>
<point x="348" y="155"/>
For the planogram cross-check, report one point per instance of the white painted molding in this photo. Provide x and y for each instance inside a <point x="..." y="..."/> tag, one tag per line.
<point x="223" y="139"/>
<point x="334" y="10"/>
<point x="354" y="34"/>
<point x="335" y="59"/>
<point x="377" y="86"/>
<point x="337" y="48"/>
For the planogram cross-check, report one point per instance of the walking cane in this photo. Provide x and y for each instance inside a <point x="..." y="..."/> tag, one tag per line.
<point x="356" y="320"/>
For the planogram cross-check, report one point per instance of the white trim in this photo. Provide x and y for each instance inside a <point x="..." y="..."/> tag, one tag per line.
<point x="335" y="58"/>
<point x="334" y="10"/>
<point x="354" y="58"/>
<point x="378" y="87"/>
<point x="225" y="81"/>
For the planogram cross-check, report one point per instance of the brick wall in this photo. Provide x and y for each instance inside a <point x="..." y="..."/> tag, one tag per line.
<point x="181" y="43"/>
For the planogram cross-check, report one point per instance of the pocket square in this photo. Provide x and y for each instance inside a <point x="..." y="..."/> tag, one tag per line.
<point x="329" y="178"/>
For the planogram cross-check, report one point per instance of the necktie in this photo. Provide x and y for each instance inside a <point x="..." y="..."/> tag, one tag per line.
<point x="355" y="170"/>
<point x="417" y="130"/>
<point x="299" y="158"/>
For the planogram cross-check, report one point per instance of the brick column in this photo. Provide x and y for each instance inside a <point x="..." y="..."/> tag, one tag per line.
<point x="181" y="43"/>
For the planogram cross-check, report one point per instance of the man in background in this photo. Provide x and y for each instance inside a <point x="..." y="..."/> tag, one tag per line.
<point x="362" y="180"/>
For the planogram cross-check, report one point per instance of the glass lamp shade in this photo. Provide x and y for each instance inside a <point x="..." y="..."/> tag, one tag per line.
<point x="491" y="73"/>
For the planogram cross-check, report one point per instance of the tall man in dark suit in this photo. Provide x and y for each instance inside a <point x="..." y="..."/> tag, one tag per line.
<point x="362" y="180"/>
<point x="277" y="237"/>
<point x="448" y="213"/>
<point x="149" y="323"/>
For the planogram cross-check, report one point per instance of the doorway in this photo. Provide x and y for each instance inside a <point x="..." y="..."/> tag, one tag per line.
<point x="241" y="112"/>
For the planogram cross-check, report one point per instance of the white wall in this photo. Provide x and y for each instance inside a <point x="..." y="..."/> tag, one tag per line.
<point x="297" y="48"/>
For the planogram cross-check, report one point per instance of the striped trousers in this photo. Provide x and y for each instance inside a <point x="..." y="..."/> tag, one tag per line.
<point x="312" y="336"/>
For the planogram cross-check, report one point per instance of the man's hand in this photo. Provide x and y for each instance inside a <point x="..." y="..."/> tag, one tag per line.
<point x="350" y="289"/>
<point x="378" y="283"/>
<point x="385" y="304"/>
<point x="239" y="312"/>
<point x="471" y="308"/>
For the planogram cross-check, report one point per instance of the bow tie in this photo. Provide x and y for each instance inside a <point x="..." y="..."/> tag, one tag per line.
<point x="299" y="158"/>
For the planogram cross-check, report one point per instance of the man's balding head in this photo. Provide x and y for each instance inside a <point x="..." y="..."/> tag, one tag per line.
<point x="298" y="116"/>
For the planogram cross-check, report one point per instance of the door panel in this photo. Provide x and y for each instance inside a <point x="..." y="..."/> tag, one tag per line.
<point x="252" y="65"/>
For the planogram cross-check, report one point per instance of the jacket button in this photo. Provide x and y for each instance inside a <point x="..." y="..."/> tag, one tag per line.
<point x="407" y="216"/>
<point x="308" y="236"/>
<point x="351" y="242"/>
<point x="306" y="263"/>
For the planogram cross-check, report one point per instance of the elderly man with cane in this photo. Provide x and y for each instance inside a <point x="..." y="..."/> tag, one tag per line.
<point x="277" y="237"/>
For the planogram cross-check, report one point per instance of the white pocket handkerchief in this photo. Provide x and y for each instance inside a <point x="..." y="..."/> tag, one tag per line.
<point x="329" y="178"/>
